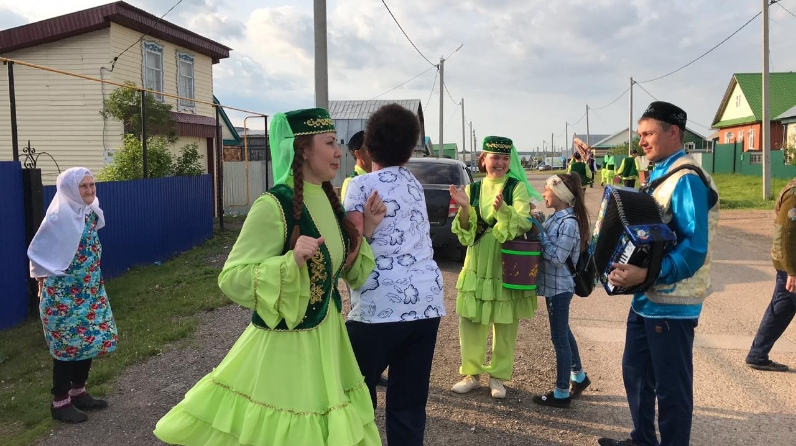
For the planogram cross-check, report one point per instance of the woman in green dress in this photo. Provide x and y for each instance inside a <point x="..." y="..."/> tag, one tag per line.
<point x="491" y="211"/>
<point x="291" y="378"/>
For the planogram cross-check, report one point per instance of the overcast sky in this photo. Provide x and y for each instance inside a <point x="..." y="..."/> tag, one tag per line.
<point x="527" y="67"/>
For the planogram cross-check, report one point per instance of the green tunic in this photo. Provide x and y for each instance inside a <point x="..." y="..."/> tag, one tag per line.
<point x="283" y="386"/>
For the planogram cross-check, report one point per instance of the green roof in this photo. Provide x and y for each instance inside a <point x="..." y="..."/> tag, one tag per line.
<point x="446" y="146"/>
<point x="736" y="121"/>
<point x="781" y="93"/>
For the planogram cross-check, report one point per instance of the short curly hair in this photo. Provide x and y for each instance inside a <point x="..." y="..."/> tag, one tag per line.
<point x="391" y="135"/>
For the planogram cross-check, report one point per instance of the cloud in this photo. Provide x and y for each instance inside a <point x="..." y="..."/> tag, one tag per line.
<point x="10" y="19"/>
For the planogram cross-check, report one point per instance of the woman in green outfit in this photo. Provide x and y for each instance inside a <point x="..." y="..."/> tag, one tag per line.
<point x="491" y="211"/>
<point x="291" y="378"/>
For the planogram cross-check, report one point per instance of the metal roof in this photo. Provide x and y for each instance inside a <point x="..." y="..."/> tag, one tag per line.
<point x="363" y="109"/>
<point x="92" y="19"/>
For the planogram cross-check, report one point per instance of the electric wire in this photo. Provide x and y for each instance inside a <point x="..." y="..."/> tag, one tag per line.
<point x="433" y="84"/>
<point x="404" y="32"/>
<point x="612" y="102"/>
<point x="113" y="62"/>
<point x="786" y="9"/>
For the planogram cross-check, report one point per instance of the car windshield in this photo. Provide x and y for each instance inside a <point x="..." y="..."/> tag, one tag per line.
<point x="435" y="173"/>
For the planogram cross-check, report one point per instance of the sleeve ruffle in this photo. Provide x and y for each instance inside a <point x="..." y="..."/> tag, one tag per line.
<point x="512" y="221"/>
<point x="466" y="236"/>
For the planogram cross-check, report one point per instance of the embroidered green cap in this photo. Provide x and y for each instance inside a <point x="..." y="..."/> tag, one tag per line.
<point x="310" y="121"/>
<point x="497" y="144"/>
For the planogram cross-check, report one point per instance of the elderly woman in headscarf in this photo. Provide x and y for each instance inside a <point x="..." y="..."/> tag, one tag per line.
<point x="78" y="322"/>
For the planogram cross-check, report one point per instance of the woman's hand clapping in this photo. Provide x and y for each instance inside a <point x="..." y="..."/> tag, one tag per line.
<point x="305" y="248"/>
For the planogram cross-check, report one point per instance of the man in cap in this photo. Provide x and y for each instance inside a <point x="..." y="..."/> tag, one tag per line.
<point x="658" y="358"/>
<point x="357" y="149"/>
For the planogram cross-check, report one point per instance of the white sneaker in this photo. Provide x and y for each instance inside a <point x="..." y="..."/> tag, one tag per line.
<point x="467" y="384"/>
<point x="496" y="386"/>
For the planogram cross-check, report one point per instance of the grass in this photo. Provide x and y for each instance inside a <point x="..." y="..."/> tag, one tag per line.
<point x="746" y="192"/>
<point x="152" y="305"/>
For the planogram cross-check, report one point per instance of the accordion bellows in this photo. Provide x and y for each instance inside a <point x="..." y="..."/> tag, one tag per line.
<point x="629" y="230"/>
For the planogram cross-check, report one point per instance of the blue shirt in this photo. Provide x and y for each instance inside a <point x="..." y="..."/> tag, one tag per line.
<point x="561" y="241"/>
<point x="690" y="224"/>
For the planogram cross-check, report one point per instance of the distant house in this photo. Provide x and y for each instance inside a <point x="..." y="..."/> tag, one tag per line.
<point x="352" y="116"/>
<point x="788" y="120"/>
<point x="449" y="150"/>
<point x="117" y="42"/>
<point x="739" y="116"/>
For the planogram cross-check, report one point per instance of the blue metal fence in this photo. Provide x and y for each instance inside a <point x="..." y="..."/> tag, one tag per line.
<point x="151" y="220"/>
<point x="13" y="249"/>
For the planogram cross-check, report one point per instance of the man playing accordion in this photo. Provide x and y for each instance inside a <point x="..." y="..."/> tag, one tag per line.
<point x="658" y="358"/>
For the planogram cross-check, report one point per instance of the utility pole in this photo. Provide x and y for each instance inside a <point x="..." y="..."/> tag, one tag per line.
<point x="321" y="61"/>
<point x="766" y="124"/>
<point x="566" y="137"/>
<point x="630" y="125"/>
<point x="464" y="144"/>
<point x="475" y="140"/>
<point x="441" y="102"/>
<point x="588" y="144"/>
<point x="552" y="147"/>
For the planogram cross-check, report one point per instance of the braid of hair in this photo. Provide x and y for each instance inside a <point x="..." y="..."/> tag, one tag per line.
<point x="573" y="183"/>
<point x="354" y="237"/>
<point x="298" y="189"/>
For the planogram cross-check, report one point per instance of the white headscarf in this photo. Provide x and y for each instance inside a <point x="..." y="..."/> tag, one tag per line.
<point x="55" y="244"/>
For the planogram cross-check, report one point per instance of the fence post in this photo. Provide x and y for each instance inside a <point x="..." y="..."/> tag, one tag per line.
<point x="143" y="134"/>
<point x="12" y="101"/>
<point x="219" y="170"/>
<point x="33" y="193"/>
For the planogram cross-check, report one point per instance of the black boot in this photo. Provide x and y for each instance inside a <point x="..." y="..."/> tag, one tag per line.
<point x="88" y="402"/>
<point x="68" y="414"/>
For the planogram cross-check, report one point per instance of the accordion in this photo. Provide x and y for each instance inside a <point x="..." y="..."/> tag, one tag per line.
<point x="629" y="230"/>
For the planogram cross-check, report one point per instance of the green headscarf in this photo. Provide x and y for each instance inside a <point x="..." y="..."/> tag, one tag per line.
<point x="283" y="131"/>
<point x="505" y="146"/>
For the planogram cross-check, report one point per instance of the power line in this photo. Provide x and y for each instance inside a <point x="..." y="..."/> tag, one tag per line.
<point x="405" y="35"/>
<point x="391" y="89"/>
<point x="704" y="54"/>
<point x="453" y="115"/>
<point x="612" y="102"/>
<point x="433" y="84"/>
<point x="601" y="119"/>
<point x="581" y="119"/>
<point x="645" y="91"/>
<point x="113" y="63"/>
<point x="444" y="84"/>
<point x="653" y="97"/>
<point x="786" y="9"/>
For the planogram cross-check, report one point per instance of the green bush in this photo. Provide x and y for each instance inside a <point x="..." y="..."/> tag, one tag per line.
<point x="188" y="161"/>
<point x="128" y="160"/>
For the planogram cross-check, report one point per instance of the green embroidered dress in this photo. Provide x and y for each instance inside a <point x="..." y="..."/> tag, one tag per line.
<point x="297" y="383"/>
<point x="481" y="297"/>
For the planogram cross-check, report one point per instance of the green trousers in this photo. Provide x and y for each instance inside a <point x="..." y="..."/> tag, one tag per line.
<point x="607" y="176"/>
<point x="472" y="340"/>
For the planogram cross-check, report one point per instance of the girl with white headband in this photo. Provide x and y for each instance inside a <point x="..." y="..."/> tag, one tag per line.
<point x="566" y="235"/>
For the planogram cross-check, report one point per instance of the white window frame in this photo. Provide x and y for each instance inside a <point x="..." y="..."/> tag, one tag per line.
<point x="689" y="146"/>
<point x="751" y="139"/>
<point x="728" y="138"/>
<point x="740" y="135"/>
<point x="737" y="101"/>
<point x="189" y="90"/>
<point x="153" y="82"/>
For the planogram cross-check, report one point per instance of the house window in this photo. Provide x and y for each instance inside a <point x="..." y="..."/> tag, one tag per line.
<point x="756" y="158"/>
<point x="751" y="139"/>
<point x="737" y="101"/>
<point x="740" y="135"/>
<point x="185" y="81"/>
<point x="153" y="68"/>
<point x="728" y="138"/>
<point x="690" y="147"/>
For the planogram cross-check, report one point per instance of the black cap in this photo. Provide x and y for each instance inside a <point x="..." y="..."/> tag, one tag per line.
<point x="666" y="112"/>
<point x="634" y="152"/>
<point x="355" y="143"/>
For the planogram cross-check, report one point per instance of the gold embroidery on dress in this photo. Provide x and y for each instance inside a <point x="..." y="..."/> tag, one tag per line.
<point x="318" y="276"/>
<point x="278" y="409"/>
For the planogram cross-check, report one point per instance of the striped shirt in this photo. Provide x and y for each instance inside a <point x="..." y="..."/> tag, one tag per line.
<point x="562" y="240"/>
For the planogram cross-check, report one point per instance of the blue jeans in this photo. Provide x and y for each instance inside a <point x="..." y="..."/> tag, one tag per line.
<point x="658" y="363"/>
<point x="776" y="319"/>
<point x="567" y="355"/>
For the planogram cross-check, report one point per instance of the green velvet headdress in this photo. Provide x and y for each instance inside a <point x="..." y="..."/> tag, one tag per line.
<point x="505" y="146"/>
<point x="284" y="129"/>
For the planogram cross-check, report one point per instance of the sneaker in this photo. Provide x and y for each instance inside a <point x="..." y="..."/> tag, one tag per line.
<point x="496" y="387"/>
<point x="68" y="414"/>
<point x="552" y="401"/>
<point x="577" y="388"/>
<point x="611" y="442"/>
<point x="769" y="366"/>
<point x="467" y="384"/>
<point x="88" y="402"/>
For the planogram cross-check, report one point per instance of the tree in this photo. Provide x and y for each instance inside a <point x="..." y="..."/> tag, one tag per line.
<point x="128" y="161"/>
<point x="790" y="151"/>
<point x="124" y="105"/>
<point x="188" y="161"/>
<point x="621" y="149"/>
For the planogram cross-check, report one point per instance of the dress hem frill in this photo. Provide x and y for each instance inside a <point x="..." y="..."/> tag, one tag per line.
<point x="484" y="300"/>
<point x="217" y="411"/>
